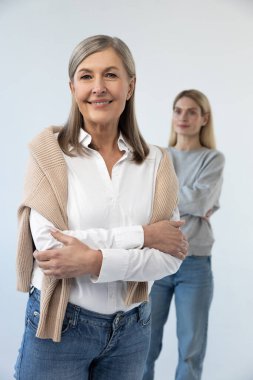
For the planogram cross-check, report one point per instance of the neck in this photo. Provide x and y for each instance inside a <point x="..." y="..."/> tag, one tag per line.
<point x="104" y="138"/>
<point x="187" y="143"/>
<point x="105" y="147"/>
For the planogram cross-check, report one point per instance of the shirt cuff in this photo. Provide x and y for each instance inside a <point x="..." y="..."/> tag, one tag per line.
<point x="114" y="266"/>
<point x="134" y="238"/>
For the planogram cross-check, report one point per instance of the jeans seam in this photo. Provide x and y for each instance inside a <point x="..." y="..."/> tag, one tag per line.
<point x="20" y="358"/>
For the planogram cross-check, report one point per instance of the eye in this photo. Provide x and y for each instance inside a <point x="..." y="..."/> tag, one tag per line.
<point x="192" y="112"/>
<point x="86" y="76"/>
<point x="110" y="75"/>
<point x="176" y="111"/>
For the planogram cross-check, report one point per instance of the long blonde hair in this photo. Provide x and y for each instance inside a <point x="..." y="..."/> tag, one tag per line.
<point x="127" y="122"/>
<point x="206" y="135"/>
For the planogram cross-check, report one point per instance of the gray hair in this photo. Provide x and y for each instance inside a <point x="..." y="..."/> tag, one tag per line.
<point x="127" y="122"/>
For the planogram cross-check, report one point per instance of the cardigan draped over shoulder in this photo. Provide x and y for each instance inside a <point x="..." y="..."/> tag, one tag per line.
<point x="46" y="191"/>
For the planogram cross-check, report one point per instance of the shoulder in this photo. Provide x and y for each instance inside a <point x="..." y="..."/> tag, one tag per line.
<point x="45" y="150"/>
<point x="155" y="153"/>
<point x="47" y="134"/>
<point x="204" y="155"/>
<point x="155" y="159"/>
<point x="162" y="160"/>
<point x="215" y="156"/>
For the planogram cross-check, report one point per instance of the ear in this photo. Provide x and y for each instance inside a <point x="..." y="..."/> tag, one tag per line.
<point x="131" y="88"/>
<point x="205" y="118"/>
<point x="72" y="88"/>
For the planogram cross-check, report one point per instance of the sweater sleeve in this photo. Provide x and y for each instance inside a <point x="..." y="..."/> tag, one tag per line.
<point x="204" y="193"/>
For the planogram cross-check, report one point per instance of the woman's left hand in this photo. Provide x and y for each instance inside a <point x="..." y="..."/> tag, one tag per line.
<point x="208" y="214"/>
<point x="73" y="259"/>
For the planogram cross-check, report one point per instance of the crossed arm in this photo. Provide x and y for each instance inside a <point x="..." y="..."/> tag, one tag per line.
<point x="73" y="257"/>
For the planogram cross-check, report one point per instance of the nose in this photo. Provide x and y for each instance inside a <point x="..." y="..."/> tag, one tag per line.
<point x="184" y="115"/>
<point x="99" y="87"/>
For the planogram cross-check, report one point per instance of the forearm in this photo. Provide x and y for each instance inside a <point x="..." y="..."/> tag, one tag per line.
<point x="202" y="195"/>
<point x="199" y="200"/>
<point x="136" y="265"/>
<point x="126" y="237"/>
<point x="123" y="237"/>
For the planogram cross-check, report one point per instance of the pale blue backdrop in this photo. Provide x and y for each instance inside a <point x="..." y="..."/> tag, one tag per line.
<point x="180" y="44"/>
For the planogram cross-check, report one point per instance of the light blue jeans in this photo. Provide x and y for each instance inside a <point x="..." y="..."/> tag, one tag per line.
<point x="192" y="287"/>
<point x="94" y="346"/>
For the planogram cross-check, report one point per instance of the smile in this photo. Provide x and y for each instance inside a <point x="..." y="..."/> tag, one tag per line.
<point x="101" y="102"/>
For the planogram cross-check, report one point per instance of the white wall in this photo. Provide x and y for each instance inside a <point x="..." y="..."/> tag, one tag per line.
<point x="180" y="44"/>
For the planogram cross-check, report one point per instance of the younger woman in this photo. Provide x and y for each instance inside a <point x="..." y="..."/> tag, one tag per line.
<point x="199" y="168"/>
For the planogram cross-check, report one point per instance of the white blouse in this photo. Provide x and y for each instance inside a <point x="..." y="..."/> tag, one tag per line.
<point x="107" y="213"/>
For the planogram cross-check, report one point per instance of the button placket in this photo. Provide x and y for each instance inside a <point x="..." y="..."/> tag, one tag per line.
<point x="112" y="295"/>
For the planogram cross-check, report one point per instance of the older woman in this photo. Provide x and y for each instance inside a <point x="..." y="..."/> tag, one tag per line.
<point x="97" y="219"/>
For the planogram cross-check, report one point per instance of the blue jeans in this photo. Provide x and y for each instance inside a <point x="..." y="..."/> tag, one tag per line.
<point x="93" y="346"/>
<point x="192" y="286"/>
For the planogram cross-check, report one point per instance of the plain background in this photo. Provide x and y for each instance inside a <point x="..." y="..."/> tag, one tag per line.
<point x="177" y="45"/>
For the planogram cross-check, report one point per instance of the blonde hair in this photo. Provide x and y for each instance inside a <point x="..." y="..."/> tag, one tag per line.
<point x="206" y="135"/>
<point x="127" y="122"/>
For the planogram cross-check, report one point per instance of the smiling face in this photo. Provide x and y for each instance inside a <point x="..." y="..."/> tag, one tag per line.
<point x="188" y="118"/>
<point x="101" y="88"/>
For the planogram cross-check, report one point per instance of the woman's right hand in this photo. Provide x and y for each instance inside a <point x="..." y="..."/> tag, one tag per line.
<point x="167" y="237"/>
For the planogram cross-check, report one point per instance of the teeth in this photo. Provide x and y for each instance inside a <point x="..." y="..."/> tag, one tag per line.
<point x="101" y="102"/>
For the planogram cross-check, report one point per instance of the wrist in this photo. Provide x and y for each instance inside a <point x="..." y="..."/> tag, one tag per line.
<point x="147" y="232"/>
<point x="95" y="261"/>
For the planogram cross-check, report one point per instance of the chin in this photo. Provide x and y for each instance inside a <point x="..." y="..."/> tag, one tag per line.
<point x="183" y="132"/>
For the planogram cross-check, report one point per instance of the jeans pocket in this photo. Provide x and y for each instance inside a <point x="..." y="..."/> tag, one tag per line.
<point x="33" y="317"/>
<point x="33" y="312"/>
<point x="146" y="322"/>
<point x="145" y="314"/>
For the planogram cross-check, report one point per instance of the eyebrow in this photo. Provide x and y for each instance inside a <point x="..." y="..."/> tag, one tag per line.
<point x="190" y="108"/>
<point x="90" y="71"/>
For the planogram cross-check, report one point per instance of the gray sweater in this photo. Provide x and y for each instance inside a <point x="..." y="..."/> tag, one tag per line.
<point x="200" y="179"/>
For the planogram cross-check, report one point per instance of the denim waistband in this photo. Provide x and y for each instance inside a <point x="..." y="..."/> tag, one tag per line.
<point x="141" y="312"/>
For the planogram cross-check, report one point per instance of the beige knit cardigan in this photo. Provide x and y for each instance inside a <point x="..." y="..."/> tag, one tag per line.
<point x="46" y="191"/>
